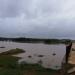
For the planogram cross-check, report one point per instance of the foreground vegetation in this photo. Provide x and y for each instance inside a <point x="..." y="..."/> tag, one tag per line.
<point x="9" y="66"/>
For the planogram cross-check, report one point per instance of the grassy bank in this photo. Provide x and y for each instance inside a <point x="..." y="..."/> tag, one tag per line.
<point x="9" y="66"/>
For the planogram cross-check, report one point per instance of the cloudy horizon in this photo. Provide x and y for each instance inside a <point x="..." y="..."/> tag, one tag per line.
<point x="37" y="18"/>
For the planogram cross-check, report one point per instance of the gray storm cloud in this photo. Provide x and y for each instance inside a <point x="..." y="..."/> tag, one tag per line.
<point x="37" y="18"/>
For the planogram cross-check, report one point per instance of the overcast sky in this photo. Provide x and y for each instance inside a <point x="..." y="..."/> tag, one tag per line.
<point x="37" y="18"/>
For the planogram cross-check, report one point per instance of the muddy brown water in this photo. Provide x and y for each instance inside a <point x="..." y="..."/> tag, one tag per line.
<point x="49" y="56"/>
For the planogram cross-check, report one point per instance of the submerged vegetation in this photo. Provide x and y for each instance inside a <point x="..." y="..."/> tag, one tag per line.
<point x="13" y="51"/>
<point x="9" y="65"/>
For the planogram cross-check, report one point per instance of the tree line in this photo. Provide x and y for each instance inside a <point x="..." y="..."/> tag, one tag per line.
<point x="36" y="40"/>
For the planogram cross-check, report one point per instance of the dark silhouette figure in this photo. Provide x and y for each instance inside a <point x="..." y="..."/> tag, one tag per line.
<point x="68" y="49"/>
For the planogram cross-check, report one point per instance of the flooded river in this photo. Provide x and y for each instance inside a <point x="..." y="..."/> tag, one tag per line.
<point x="49" y="56"/>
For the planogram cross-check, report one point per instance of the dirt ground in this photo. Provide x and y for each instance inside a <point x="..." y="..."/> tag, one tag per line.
<point x="72" y="57"/>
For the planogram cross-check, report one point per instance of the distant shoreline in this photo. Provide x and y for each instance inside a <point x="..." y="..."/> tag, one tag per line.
<point x="36" y="40"/>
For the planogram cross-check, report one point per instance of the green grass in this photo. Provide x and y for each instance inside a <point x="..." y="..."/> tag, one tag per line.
<point x="8" y="61"/>
<point x="7" y="71"/>
<point x="9" y="66"/>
